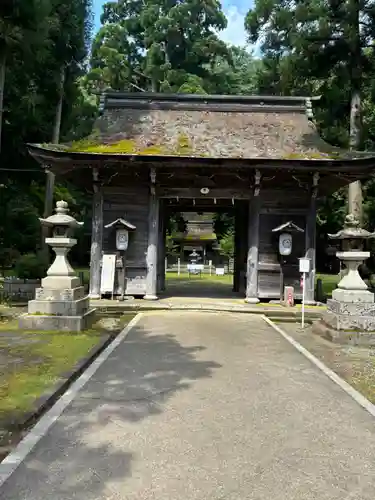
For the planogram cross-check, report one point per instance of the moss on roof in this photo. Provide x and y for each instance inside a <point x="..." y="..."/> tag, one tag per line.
<point x="181" y="147"/>
<point x="264" y="134"/>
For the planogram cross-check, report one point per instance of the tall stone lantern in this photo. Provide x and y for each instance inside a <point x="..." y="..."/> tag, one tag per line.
<point x="60" y="303"/>
<point x="350" y="315"/>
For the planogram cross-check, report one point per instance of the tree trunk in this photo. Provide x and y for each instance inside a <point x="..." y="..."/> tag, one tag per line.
<point x="50" y="177"/>
<point x="355" y="188"/>
<point x="57" y="124"/>
<point x="3" y="63"/>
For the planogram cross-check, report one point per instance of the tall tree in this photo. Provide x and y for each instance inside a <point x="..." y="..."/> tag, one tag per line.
<point x="21" y="24"/>
<point x="157" y="45"/>
<point x="323" y="42"/>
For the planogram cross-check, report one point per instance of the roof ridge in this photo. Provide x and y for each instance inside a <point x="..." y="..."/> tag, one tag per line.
<point x="110" y="99"/>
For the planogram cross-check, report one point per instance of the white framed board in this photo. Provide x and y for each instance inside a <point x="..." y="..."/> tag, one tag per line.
<point x="107" y="280"/>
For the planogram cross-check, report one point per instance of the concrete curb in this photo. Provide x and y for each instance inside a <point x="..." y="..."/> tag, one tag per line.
<point x="271" y="311"/>
<point x="56" y="404"/>
<point x="353" y="393"/>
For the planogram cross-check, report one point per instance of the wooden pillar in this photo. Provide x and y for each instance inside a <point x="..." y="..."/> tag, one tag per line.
<point x="161" y="249"/>
<point x="153" y="239"/>
<point x="237" y="249"/>
<point x="310" y="244"/>
<point x="96" y="238"/>
<point x="244" y="238"/>
<point x="164" y="254"/>
<point x="253" y="249"/>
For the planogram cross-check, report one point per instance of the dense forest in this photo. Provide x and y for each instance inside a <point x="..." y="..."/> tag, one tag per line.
<point x="52" y="65"/>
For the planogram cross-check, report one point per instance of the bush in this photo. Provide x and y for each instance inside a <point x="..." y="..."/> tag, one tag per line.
<point x="30" y="267"/>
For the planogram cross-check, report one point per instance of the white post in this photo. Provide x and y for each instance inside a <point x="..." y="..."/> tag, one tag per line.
<point x="178" y="266"/>
<point x="304" y="267"/>
<point x="303" y="299"/>
<point x="166" y="264"/>
<point x="210" y="267"/>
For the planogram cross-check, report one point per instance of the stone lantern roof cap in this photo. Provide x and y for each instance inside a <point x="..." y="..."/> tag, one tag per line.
<point x="352" y="230"/>
<point x="61" y="217"/>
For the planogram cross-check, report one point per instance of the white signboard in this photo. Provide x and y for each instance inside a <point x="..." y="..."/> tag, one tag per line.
<point x="304" y="265"/>
<point x="107" y="280"/>
<point x="195" y="267"/>
<point x="220" y="271"/>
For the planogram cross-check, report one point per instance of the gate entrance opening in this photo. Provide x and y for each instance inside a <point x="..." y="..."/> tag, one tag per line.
<point x="200" y="248"/>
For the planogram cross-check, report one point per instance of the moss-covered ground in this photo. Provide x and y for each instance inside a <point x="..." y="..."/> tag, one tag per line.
<point x="32" y="362"/>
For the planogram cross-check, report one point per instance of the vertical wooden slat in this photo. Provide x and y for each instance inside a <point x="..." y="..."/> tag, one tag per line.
<point x="253" y="252"/>
<point x="161" y="256"/>
<point x="152" y="248"/>
<point x="96" y="240"/>
<point x="310" y="242"/>
<point x="237" y="248"/>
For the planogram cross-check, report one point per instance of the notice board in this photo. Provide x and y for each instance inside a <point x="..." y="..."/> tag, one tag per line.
<point x="107" y="281"/>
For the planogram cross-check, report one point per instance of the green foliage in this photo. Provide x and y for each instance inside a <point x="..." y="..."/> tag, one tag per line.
<point x="157" y="45"/>
<point x="226" y="244"/>
<point x="30" y="266"/>
<point x="171" y="249"/>
<point x="236" y="75"/>
<point x="223" y="224"/>
<point x="176" y="224"/>
<point x="39" y="39"/>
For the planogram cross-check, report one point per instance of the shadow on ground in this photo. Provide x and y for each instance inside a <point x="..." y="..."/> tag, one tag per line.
<point x="88" y="446"/>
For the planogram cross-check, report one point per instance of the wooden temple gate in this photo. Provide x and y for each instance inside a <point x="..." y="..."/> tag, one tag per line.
<point x="153" y="153"/>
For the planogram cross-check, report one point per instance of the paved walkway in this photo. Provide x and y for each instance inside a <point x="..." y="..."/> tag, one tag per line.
<point x="204" y="406"/>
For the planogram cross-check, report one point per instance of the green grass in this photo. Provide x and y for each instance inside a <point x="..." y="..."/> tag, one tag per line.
<point x="33" y="361"/>
<point x="329" y="283"/>
<point x="206" y="278"/>
<point x="42" y="364"/>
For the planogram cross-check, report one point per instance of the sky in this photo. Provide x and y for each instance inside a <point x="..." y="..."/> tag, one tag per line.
<point x="235" y="10"/>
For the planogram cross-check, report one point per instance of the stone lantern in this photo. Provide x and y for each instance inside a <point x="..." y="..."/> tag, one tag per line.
<point x="350" y="315"/>
<point x="352" y="288"/>
<point x="61" y="275"/>
<point x="60" y="303"/>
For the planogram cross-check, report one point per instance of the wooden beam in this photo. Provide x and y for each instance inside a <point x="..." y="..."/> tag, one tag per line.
<point x="193" y="192"/>
<point x="96" y="237"/>
<point x="310" y="243"/>
<point x="152" y="248"/>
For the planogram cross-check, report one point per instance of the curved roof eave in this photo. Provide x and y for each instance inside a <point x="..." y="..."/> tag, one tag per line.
<point x="50" y="157"/>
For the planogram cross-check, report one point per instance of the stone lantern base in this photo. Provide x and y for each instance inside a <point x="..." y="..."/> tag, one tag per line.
<point x="58" y="309"/>
<point x="60" y="304"/>
<point x="350" y="315"/>
<point x="348" y="322"/>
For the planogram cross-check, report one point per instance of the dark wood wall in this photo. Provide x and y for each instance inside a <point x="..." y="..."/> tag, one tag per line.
<point x="130" y="203"/>
<point x="278" y="207"/>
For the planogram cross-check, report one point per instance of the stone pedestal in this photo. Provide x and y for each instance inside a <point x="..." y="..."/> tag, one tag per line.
<point x="60" y="303"/>
<point x="58" y="309"/>
<point x="350" y="316"/>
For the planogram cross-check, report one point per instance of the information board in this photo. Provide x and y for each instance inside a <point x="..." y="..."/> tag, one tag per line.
<point x="107" y="281"/>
